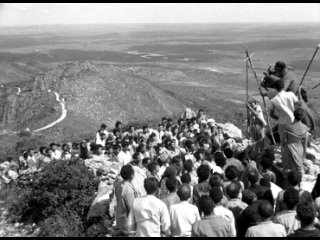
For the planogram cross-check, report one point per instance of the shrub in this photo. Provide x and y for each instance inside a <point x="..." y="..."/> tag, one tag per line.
<point x="59" y="199"/>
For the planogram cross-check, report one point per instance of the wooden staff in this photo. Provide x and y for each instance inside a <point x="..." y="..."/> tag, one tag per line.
<point x="316" y="86"/>
<point x="264" y="101"/>
<point x="305" y="73"/>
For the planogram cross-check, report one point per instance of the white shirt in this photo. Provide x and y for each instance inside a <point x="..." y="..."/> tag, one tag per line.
<point x="149" y="217"/>
<point x="124" y="157"/>
<point x="182" y="216"/>
<point x="283" y="102"/>
<point x="226" y="214"/>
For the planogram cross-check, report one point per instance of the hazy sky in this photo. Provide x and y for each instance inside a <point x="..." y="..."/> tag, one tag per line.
<point x="93" y="13"/>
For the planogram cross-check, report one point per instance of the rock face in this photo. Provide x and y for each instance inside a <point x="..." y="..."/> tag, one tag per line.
<point x="93" y="94"/>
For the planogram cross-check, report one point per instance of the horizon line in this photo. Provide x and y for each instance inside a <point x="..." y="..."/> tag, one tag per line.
<point x="156" y="23"/>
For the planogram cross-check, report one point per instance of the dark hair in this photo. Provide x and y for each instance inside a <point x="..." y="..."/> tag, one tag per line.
<point x="171" y="184"/>
<point x="214" y="147"/>
<point x="316" y="189"/>
<point x="103" y="125"/>
<point x="41" y="149"/>
<point x="145" y="127"/>
<point x="265" y="182"/>
<point x="151" y="185"/>
<point x="184" y="192"/>
<point x="265" y="209"/>
<point x="135" y="156"/>
<point x="248" y="196"/>
<point x="206" y="205"/>
<point x="203" y="172"/>
<point x="306" y="213"/>
<point x="215" y="180"/>
<point x="266" y="163"/>
<point x="280" y="64"/>
<point x="152" y="166"/>
<point x="118" y="123"/>
<point x="145" y="160"/>
<point x="170" y="172"/>
<point x="299" y="113"/>
<point x="279" y="85"/>
<point x="253" y="176"/>
<point x="188" y="165"/>
<point x="216" y="194"/>
<point x="233" y="189"/>
<point x="231" y="172"/>
<point x="228" y="152"/>
<point x="220" y="159"/>
<point x="291" y="197"/>
<point x="294" y="178"/>
<point x="186" y="178"/>
<point x="126" y="172"/>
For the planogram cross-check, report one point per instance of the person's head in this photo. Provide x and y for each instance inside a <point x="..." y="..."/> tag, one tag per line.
<point x="146" y="161"/>
<point x="231" y="173"/>
<point x="160" y="127"/>
<point x="252" y="102"/>
<point x="266" y="163"/>
<point x="125" y="147"/>
<point x="127" y="172"/>
<point x="265" y="209"/>
<point x="185" y="178"/>
<point x="99" y="149"/>
<point x="228" y="152"/>
<point x="220" y="159"/>
<point x="116" y="149"/>
<point x="118" y="124"/>
<point x="145" y="129"/>
<point x="153" y="168"/>
<point x="190" y="145"/>
<point x="175" y="130"/>
<point x="53" y="146"/>
<point x="248" y="196"/>
<point x="164" y="120"/>
<point x="206" y="205"/>
<point x="43" y="150"/>
<point x="203" y="172"/>
<point x="216" y="194"/>
<point x="171" y="184"/>
<point x="279" y="85"/>
<point x="294" y="178"/>
<point x="136" y="158"/>
<point x="291" y="198"/>
<point x="184" y="192"/>
<point x="306" y="213"/>
<point x="103" y="126"/>
<point x="188" y="166"/>
<point x="298" y="114"/>
<point x="103" y="136"/>
<point x="170" y="172"/>
<point x="316" y="189"/>
<point x="151" y="185"/>
<point x="216" y="180"/>
<point x="170" y="121"/>
<point x="279" y="67"/>
<point x="253" y="176"/>
<point x="265" y="182"/>
<point x="109" y="149"/>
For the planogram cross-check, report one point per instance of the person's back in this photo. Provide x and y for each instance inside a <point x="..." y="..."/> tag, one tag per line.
<point x="306" y="214"/>
<point x="265" y="227"/>
<point x="288" y="218"/>
<point x="183" y="214"/>
<point x="284" y="105"/>
<point x="149" y="216"/>
<point x="171" y="199"/>
<point x="210" y="225"/>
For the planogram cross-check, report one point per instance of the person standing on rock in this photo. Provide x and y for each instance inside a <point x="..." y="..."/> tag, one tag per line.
<point x="257" y="127"/>
<point x="295" y="138"/>
<point x="282" y="108"/>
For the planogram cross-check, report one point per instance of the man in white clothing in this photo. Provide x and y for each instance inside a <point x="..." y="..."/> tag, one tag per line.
<point x="149" y="216"/>
<point x="183" y="214"/>
<point x="282" y="107"/>
<point x="124" y="156"/>
<point x="216" y="195"/>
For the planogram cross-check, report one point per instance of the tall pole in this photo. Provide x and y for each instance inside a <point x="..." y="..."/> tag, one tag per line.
<point x="264" y="101"/>
<point x="305" y="73"/>
<point x="247" y="95"/>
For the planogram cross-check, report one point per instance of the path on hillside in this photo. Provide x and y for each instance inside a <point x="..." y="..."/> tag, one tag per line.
<point x="60" y="119"/>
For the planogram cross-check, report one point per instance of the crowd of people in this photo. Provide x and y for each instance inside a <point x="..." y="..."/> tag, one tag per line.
<point x="187" y="179"/>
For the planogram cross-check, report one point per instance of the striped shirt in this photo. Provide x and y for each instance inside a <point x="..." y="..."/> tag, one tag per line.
<point x="288" y="219"/>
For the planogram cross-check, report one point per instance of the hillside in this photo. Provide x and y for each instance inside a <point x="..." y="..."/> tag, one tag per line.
<point x="93" y="94"/>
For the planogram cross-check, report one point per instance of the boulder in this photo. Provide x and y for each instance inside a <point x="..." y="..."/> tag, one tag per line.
<point x="231" y="131"/>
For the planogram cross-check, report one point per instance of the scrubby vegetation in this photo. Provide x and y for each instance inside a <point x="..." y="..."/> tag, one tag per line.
<point x="58" y="200"/>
